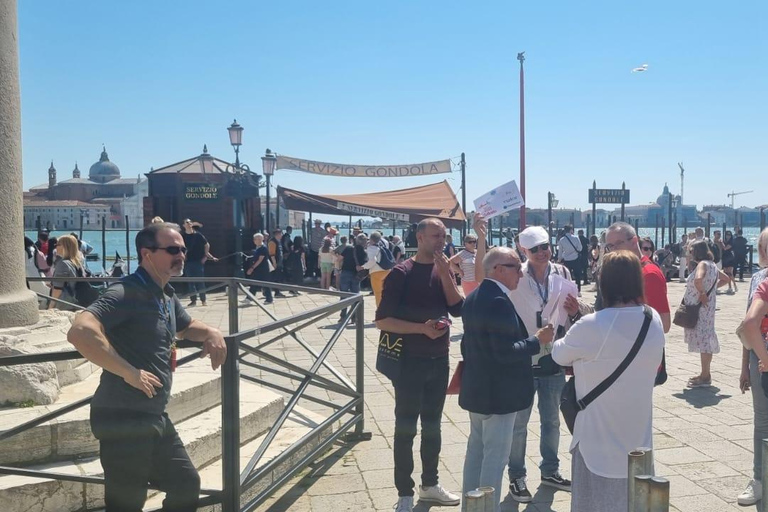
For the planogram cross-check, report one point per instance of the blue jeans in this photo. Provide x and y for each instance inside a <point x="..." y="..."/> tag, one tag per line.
<point x="548" y="389"/>
<point x="195" y="269"/>
<point x="490" y="439"/>
<point x="349" y="283"/>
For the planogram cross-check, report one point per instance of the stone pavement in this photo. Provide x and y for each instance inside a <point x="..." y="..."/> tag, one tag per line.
<point x="702" y="437"/>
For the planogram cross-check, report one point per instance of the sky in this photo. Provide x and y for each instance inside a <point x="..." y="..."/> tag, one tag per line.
<point x="406" y="82"/>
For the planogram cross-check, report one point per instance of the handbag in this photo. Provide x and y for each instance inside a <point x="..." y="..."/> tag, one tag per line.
<point x="570" y="406"/>
<point x="687" y="315"/>
<point x="455" y="385"/>
<point x="389" y="355"/>
<point x="361" y="274"/>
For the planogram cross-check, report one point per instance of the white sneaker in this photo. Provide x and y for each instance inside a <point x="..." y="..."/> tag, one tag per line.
<point x="404" y="504"/>
<point x="436" y="494"/>
<point x="751" y="495"/>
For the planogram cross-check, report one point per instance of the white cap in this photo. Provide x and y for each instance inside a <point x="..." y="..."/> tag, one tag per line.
<point x="533" y="236"/>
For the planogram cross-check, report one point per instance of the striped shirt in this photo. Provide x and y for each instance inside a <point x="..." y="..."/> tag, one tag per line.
<point x="467" y="265"/>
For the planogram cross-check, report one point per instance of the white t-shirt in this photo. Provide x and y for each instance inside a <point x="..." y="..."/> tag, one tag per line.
<point x="569" y="247"/>
<point x="621" y="419"/>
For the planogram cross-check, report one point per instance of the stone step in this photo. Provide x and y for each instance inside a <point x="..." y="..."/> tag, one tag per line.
<point x="74" y="371"/>
<point x="195" y="389"/>
<point x="298" y="424"/>
<point x="201" y="435"/>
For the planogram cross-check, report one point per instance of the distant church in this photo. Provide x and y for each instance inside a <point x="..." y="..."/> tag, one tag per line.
<point x="60" y="205"/>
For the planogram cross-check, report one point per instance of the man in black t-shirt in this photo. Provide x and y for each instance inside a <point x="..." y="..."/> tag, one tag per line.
<point x="417" y="293"/>
<point x="129" y="332"/>
<point x="353" y="255"/>
<point x="739" y="246"/>
<point x="198" y="252"/>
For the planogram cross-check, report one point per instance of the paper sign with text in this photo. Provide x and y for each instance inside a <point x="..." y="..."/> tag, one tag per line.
<point x="502" y="199"/>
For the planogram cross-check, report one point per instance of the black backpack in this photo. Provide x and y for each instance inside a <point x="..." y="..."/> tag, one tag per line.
<point x="85" y="293"/>
<point x="386" y="258"/>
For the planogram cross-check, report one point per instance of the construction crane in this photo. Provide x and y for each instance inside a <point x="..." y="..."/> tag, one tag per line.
<point x="733" y="195"/>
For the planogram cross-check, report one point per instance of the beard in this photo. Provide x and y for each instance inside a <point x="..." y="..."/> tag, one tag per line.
<point x="177" y="269"/>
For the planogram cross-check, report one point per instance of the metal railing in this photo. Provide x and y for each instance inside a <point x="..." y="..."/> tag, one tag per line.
<point x="292" y="459"/>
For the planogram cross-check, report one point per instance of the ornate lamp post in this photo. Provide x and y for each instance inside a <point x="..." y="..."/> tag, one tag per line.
<point x="268" y="165"/>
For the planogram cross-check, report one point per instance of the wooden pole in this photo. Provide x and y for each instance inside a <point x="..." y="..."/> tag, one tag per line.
<point x="127" y="246"/>
<point x="104" y="242"/>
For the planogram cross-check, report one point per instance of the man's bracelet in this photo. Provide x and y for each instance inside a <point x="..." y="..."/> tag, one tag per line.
<point x="575" y="318"/>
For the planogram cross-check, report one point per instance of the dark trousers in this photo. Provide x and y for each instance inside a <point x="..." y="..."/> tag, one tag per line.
<point x="741" y="263"/>
<point x="349" y="283"/>
<point x="575" y="267"/>
<point x="195" y="269"/>
<point x="419" y="392"/>
<point x="265" y="290"/>
<point x="313" y="269"/>
<point x="138" y="450"/>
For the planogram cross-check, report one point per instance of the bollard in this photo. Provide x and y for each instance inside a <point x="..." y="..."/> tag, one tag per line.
<point x="764" y="479"/>
<point x="642" y="493"/>
<point x="649" y="469"/>
<point x="659" y="501"/>
<point x="637" y="466"/>
<point x="489" y="498"/>
<point x="474" y="501"/>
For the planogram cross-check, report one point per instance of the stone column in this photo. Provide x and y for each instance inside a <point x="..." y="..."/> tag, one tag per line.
<point x="18" y="305"/>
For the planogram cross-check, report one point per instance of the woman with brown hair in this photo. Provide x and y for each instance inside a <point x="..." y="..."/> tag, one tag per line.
<point x="699" y="288"/>
<point x="621" y="418"/>
<point x="67" y="265"/>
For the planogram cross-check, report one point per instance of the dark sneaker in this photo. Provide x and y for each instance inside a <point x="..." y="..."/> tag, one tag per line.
<point x="557" y="481"/>
<point x="192" y="303"/>
<point x="519" y="491"/>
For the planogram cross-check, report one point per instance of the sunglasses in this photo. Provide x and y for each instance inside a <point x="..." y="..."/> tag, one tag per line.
<point x="647" y="248"/>
<point x="470" y="241"/>
<point x="173" y="250"/>
<point x="542" y="247"/>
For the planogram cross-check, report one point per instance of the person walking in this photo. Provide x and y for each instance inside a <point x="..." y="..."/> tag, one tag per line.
<point x="463" y="263"/>
<point x="296" y="263"/>
<point x="584" y="256"/>
<point x="699" y="288"/>
<point x="417" y="293"/>
<point x="258" y="269"/>
<point x="198" y="252"/>
<point x="756" y="334"/>
<point x="69" y="264"/>
<point x="275" y="248"/>
<point x="729" y="261"/>
<point x="350" y="255"/>
<point x="316" y="236"/>
<point x="621" y="418"/>
<point x="739" y="254"/>
<point x="568" y="252"/>
<point x="377" y="274"/>
<point x="497" y="381"/>
<point x="129" y="332"/>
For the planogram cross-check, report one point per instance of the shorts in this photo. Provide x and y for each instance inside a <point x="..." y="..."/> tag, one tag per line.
<point x="326" y="268"/>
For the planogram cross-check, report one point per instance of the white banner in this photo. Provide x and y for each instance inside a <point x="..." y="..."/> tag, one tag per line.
<point x="363" y="171"/>
<point x="502" y="199"/>
<point x="371" y="212"/>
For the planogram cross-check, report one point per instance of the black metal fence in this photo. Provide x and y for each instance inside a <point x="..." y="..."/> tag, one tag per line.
<point x="238" y="492"/>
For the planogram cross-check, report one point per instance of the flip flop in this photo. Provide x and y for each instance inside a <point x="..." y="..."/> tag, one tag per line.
<point x="696" y="382"/>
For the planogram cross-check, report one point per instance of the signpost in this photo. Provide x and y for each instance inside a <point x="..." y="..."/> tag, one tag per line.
<point x="607" y="195"/>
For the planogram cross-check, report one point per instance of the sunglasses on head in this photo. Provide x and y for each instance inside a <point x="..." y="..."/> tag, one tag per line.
<point x="542" y="247"/>
<point x="173" y="250"/>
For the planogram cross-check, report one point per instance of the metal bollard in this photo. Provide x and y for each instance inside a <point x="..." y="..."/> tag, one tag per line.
<point x="638" y="465"/>
<point x="764" y="479"/>
<point x="659" y="501"/>
<point x="474" y="501"/>
<point x="642" y="493"/>
<point x="489" y="498"/>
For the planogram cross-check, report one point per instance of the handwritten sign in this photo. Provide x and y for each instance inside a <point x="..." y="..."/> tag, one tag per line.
<point x="502" y="199"/>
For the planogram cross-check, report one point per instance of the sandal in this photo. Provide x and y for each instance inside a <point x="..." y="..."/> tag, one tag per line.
<point x="698" y="382"/>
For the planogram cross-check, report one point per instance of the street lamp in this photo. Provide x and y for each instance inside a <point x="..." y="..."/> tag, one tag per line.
<point x="551" y="203"/>
<point x="268" y="165"/>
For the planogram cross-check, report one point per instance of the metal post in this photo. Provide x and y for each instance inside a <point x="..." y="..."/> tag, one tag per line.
<point x="360" y="367"/>
<point x="104" y="242"/>
<point x="489" y="498"/>
<point x="623" y="188"/>
<point x="474" y="501"/>
<point x="659" y="501"/>
<point x="127" y="246"/>
<point x="640" y="462"/>
<point x="594" y="206"/>
<point x="269" y="224"/>
<point x="589" y="225"/>
<point x="549" y="215"/>
<point x="709" y="224"/>
<point x="238" y="237"/>
<point x="230" y="411"/>
<point x="521" y="58"/>
<point x="642" y="499"/>
<point x="463" y="194"/>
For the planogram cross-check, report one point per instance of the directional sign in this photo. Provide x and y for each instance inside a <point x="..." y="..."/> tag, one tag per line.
<point x="609" y="195"/>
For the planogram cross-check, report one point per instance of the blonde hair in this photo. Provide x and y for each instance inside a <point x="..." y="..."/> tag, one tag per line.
<point x="762" y="248"/>
<point x="68" y="249"/>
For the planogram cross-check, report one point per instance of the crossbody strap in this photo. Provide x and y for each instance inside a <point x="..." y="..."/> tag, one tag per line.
<point x="600" y="388"/>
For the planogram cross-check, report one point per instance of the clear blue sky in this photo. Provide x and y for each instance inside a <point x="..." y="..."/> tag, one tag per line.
<point x="406" y="82"/>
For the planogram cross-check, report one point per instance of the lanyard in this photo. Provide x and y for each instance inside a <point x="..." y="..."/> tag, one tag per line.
<point x="544" y="294"/>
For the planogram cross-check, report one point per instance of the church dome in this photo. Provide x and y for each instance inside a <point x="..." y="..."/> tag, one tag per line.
<point x="104" y="170"/>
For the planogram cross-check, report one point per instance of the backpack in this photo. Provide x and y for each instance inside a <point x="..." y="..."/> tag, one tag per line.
<point x="85" y="293"/>
<point x="386" y="258"/>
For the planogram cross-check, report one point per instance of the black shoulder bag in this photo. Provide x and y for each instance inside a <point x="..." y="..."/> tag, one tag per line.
<point x="570" y="406"/>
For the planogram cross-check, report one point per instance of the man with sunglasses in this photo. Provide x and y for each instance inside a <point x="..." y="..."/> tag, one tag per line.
<point x="529" y="298"/>
<point x="129" y="332"/>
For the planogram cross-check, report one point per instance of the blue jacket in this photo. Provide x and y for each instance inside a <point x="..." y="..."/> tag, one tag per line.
<point x="497" y="378"/>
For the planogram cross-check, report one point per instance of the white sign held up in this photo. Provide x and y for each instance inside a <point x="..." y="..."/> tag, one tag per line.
<point x="502" y="199"/>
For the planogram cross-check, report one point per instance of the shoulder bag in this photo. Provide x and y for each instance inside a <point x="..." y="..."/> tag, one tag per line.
<point x="361" y="274"/>
<point x="687" y="315"/>
<point x="570" y="406"/>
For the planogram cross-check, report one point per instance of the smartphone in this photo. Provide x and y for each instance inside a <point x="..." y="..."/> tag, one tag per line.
<point x="442" y="323"/>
